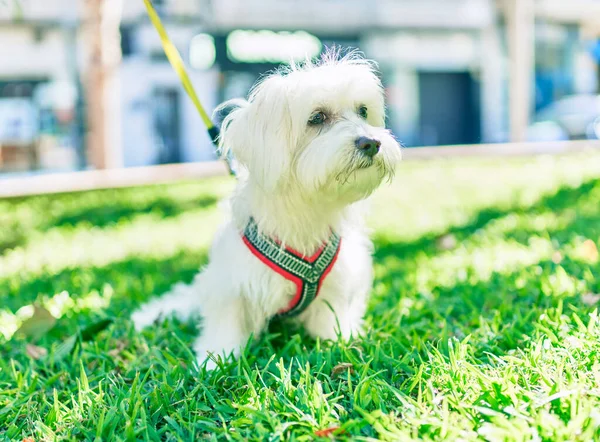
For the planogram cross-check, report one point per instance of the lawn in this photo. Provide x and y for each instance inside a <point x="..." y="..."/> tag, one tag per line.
<point x="482" y="321"/>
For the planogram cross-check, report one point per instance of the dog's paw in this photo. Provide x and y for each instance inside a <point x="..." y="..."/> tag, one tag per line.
<point x="355" y="331"/>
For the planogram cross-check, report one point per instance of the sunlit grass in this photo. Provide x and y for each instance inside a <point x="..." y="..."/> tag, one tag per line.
<point x="482" y="322"/>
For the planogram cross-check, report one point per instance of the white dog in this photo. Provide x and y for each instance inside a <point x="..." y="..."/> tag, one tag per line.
<point x="312" y="143"/>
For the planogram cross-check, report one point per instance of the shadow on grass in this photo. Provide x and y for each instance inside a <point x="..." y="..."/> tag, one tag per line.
<point x="503" y="308"/>
<point x="565" y="198"/>
<point x="504" y="304"/>
<point x="98" y="208"/>
<point x="109" y="214"/>
<point x="11" y="237"/>
<point x="132" y="281"/>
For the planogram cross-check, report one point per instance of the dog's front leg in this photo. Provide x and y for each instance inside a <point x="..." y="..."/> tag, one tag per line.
<point x="227" y="325"/>
<point x="333" y="316"/>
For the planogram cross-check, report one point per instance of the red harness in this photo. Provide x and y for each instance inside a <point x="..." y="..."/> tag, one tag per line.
<point x="307" y="273"/>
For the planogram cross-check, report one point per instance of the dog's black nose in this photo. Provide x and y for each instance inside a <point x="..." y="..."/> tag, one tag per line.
<point x="368" y="146"/>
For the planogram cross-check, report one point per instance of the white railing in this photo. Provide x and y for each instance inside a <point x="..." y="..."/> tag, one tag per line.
<point x="139" y="176"/>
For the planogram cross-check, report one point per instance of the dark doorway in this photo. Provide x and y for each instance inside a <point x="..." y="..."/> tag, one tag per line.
<point x="449" y="108"/>
<point x="166" y="125"/>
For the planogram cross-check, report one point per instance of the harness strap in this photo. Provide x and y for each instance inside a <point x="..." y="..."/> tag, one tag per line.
<point x="307" y="273"/>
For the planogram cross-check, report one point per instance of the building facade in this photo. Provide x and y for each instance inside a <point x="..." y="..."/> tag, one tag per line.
<point x="447" y="65"/>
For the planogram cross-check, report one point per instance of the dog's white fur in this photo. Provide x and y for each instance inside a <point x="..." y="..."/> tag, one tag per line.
<point x="298" y="182"/>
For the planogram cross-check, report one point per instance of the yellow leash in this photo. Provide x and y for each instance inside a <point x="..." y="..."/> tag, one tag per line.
<point x="177" y="63"/>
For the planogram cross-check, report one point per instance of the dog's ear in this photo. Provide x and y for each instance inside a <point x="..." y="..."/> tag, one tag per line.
<point x="259" y="132"/>
<point x="224" y="109"/>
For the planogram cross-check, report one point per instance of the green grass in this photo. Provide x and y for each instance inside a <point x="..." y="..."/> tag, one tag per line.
<point x="488" y="334"/>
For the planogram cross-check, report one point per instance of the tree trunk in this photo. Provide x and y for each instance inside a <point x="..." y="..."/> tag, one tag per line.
<point x="521" y="52"/>
<point x="103" y="55"/>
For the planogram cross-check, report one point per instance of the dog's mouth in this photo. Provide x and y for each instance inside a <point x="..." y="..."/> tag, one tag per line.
<point x="365" y="164"/>
<point x="359" y="163"/>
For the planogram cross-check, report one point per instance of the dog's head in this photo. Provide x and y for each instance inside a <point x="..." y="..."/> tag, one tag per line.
<point x="317" y="129"/>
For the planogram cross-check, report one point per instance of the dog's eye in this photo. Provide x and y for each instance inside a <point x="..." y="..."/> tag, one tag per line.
<point x="317" y="118"/>
<point x="362" y="112"/>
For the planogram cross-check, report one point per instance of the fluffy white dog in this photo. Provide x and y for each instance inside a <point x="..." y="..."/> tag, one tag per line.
<point x="312" y="144"/>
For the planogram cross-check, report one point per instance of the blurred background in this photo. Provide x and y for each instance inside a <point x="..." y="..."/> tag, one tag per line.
<point x="84" y="84"/>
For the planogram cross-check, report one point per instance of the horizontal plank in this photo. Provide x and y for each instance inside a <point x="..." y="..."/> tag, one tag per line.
<point x="37" y="184"/>
<point x="499" y="149"/>
<point x="107" y="179"/>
